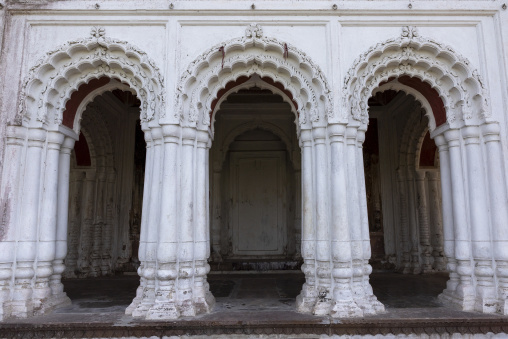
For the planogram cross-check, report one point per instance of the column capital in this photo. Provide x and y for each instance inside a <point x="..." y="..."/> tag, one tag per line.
<point x="452" y="136"/>
<point x="319" y="134"/>
<point x="420" y="175"/>
<point x="306" y="136"/>
<point x="441" y="142"/>
<point x="336" y="132"/>
<point x="471" y="134"/>
<point x="491" y="131"/>
<point x="67" y="145"/>
<point x="202" y="138"/>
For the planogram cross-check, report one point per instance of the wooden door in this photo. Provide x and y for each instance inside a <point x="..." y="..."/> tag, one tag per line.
<point x="259" y="200"/>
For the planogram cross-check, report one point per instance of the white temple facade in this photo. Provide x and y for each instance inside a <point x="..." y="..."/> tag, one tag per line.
<point x="175" y="138"/>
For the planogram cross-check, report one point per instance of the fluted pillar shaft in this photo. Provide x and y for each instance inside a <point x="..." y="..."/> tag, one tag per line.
<point x="86" y="231"/>
<point x="323" y="268"/>
<point x="423" y="221"/>
<point x="26" y="251"/>
<point x="498" y="198"/>
<point x="342" y="273"/>
<point x="9" y="203"/>
<point x="144" y="223"/>
<point x="308" y="296"/>
<point x="57" y="289"/>
<point x="167" y="249"/>
<point x="465" y="290"/>
<point x="46" y="245"/>
<point x="436" y="222"/>
<point x="405" y="247"/>
<point x="448" y="218"/>
<point x="202" y="298"/>
<point x="480" y="230"/>
<point x="372" y="303"/>
<point x="151" y="236"/>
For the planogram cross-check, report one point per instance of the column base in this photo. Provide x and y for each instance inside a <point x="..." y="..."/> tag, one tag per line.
<point x="135" y="302"/>
<point x="346" y="309"/>
<point x="204" y="305"/>
<point x="502" y="306"/>
<point x="49" y="305"/>
<point x="460" y="299"/>
<point x="163" y="311"/>
<point x="306" y="300"/>
<point x="486" y="301"/>
<point x="21" y="309"/>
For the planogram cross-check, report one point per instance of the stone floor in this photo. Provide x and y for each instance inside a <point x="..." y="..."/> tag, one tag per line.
<point x="255" y="304"/>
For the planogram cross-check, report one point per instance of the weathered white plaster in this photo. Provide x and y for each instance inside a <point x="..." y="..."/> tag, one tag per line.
<point x="329" y="63"/>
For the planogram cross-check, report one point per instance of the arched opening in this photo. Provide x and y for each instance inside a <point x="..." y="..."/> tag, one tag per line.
<point x="403" y="188"/>
<point x="254" y="184"/>
<point x="105" y="189"/>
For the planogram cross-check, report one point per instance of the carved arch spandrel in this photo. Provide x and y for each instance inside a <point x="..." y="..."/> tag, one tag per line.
<point x="460" y="87"/>
<point x="252" y="54"/>
<point x="51" y="81"/>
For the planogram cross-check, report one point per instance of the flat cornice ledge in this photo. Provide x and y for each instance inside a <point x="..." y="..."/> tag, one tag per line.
<point x="269" y="7"/>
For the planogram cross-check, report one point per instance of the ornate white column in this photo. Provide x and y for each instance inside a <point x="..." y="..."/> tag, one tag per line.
<point x="46" y="245"/>
<point x="372" y="301"/>
<point x="423" y="221"/>
<point x="85" y="235"/>
<point x="413" y="227"/>
<point x="436" y="222"/>
<point x="308" y="296"/>
<point x="479" y="216"/>
<point x="448" y="222"/>
<point x="216" y="210"/>
<point x="74" y="225"/>
<point x="298" y="214"/>
<point x="95" y="257"/>
<point x="9" y="204"/>
<point x="342" y="273"/>
<point x="355" y="222"/>
<point x="405" y="266"/>
<point x="108" y="225"/>
<point x="22" y="304"/>
<point x="323" y="255"/>
<point x="202" y="298"/>
<point x="164" y="306"/>
<point x="152" y="226"/>
<point x="59" y="297"/>
<point x="147" y="187"/>
<point x="187" y="222"/>
<point x="498" y="199"/>
<point x="465" y="294"/>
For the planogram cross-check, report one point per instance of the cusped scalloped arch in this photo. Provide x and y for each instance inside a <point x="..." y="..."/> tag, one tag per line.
<point x="460" y="87"/>
<point x="283" y="63"/>
<point x="51" y="81"/>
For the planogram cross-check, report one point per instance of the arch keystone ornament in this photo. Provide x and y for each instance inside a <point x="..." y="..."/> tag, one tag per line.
<point x="455" y="99"/>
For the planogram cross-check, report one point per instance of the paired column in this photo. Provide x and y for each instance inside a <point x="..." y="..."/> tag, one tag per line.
<point x="308" y="296"/>
<point x="47" y="228"/>
<point x="342" y="273"/>
<point x="26" y="250"/>
<point x="496" y="181"/>
<point x="10" y="204"/>
<point x="423" y="221"/>
<point x="175" y="238"/>
<point x="59" y="297"/>
<point x="436" y="222"/>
